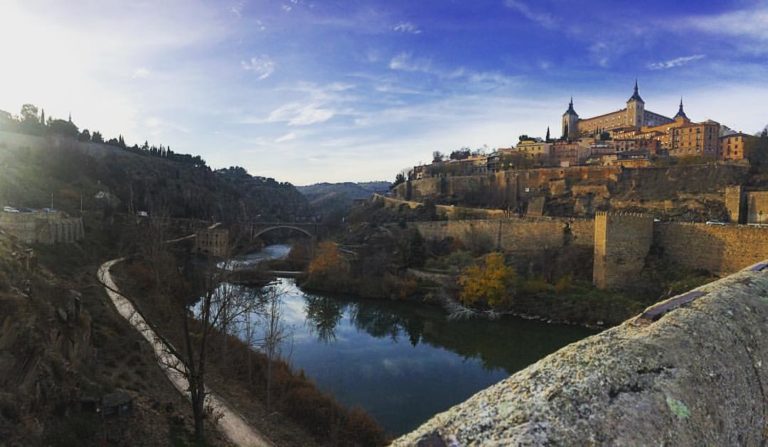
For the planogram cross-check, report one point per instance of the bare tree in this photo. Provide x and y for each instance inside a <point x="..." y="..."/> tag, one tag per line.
<point x="205" y="304"/>
<point x="275" y="331"/>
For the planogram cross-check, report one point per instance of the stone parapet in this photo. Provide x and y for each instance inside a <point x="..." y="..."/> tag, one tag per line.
<point x="691" y="372"/>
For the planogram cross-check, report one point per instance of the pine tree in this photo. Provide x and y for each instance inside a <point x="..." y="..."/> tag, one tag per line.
<point x="547" y="139"/>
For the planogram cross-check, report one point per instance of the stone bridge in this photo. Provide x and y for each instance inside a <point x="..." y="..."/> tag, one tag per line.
<point x="692" y="370"/>
<point x="309" y="229"/>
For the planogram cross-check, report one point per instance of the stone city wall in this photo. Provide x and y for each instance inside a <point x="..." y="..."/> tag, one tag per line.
<point x="757" y="207"/>
<point x="720" y="249"/>
<point x="622" y="242"/>
<point x="445" y="211"/>
<point x="513" y="234"/>
<point x="505" y="186"/>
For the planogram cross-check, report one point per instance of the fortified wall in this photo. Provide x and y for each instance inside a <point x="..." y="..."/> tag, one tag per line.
<point x="446" y="211"/>
<point x="720" y="249"/>
<point x="513" y="234"/>
<point x="688" y="371"/>
<point x="505" y="186"/>
<point x="42" y="227"/>
<point x="659" y="190"/>
<point x="622" y="242"/>
<point x="746" y="206"/>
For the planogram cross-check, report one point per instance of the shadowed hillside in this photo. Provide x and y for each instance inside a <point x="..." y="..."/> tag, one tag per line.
<point x="35" y="171"/>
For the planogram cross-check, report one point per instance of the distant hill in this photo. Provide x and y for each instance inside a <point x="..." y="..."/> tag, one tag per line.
<point x="328" y="198"/>
<point x="35" y="170"/>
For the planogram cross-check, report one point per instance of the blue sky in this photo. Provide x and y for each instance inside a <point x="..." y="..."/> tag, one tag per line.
<point x="308" y="91"/>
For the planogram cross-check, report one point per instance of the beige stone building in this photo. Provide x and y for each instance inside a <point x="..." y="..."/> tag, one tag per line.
<point x="213" y="242"/>
<point x="571" y="153"/>
<point x="539" y="151"/>
<point x="43" y="227"/>
<point x="737" y="146"/>
<point x="695" y="139"/>
<point x="633" y="116"/>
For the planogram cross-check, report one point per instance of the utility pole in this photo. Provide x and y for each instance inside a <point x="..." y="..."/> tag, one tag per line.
<point x="52" y="201"/>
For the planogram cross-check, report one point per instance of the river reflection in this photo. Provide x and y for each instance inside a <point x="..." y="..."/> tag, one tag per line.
<point x="404" y="362"/>
<point x="277" y="251"/>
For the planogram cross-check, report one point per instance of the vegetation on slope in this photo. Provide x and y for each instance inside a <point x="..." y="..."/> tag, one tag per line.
<point x="115" y="181"/>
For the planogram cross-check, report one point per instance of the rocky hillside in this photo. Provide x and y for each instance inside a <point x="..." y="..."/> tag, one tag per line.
<point x="64" y="353"/>
<point x="36" y="171"/>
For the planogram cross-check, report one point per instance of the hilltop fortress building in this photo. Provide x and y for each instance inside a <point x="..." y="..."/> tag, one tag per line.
<point x="679" y="135"/>
<point x="632" y="117"/>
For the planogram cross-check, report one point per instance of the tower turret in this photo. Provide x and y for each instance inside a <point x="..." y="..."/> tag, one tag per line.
<point x="681" y="113"/>
<point x="635" y="109"/>
<point x="570" y="122"/>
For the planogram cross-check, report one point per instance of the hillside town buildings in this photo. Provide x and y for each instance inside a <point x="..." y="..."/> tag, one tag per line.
<point x="630" y="137"/>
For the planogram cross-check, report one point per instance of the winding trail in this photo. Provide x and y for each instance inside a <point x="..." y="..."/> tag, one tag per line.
<point x="231" y="423"/>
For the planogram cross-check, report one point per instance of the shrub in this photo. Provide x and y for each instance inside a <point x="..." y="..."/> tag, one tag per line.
<point x="488" y="283"/>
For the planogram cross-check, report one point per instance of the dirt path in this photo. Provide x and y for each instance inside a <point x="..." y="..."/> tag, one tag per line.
<point x="232" y="424"/>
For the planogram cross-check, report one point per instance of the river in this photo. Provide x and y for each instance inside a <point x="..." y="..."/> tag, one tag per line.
<point x="404" y="362"/>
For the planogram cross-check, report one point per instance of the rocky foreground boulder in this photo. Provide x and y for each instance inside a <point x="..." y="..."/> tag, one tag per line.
<point x="689" y="371"/>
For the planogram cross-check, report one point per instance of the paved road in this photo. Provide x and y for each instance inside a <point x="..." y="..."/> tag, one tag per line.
<point x="231" y="423"/>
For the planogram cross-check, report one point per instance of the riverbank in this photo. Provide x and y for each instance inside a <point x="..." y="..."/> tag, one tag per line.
<point x="301" y="416"/>
<point x="402" y="360"/>
<point x="230" y="422"/>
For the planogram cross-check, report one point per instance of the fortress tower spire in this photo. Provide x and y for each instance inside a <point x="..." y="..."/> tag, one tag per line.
<point x="636" y="94"/>
<point x="635" y="116"/>
<point x="570" y="122"/>
<point x="680" y="111"/>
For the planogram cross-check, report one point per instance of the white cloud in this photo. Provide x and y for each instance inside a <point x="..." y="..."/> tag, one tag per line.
<point x="296" y="114"/>
<point x="542" y="18"/>
<point x="287" y="137"/>
<point x="262" y="66"/>
<point x="141" y="73"/>
<point x="676" y="62"/>
<point x="407" y="27"/>
<point x="600" y="53"/>
<point x="750" y="23"/>
<point x="237" y="9"/>
<point x="406" y="62"/>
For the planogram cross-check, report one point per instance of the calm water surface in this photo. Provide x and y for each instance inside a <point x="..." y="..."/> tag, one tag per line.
<point x="404" y="362"/>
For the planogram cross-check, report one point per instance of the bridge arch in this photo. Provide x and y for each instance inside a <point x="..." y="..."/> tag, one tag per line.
<point x="277" y="227"/>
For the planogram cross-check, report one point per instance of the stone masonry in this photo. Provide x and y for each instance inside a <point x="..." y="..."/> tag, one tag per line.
<point x="622" y="242"/>
<point x="42" y="227"/>
<point x="694" y="374"/>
